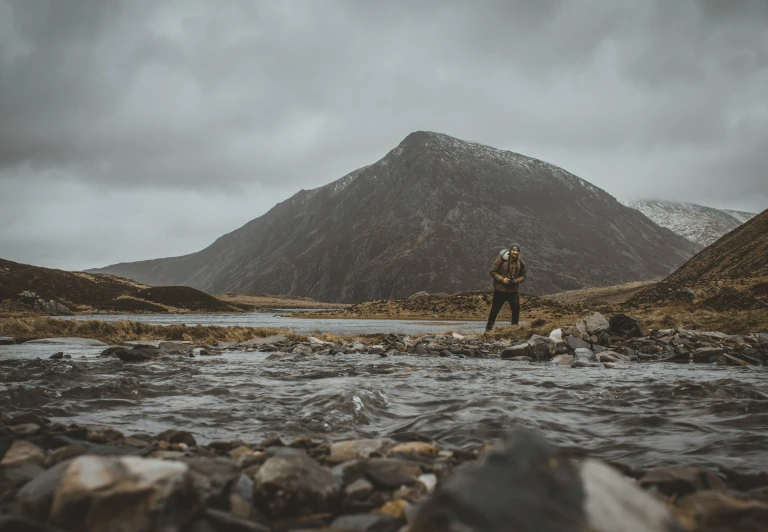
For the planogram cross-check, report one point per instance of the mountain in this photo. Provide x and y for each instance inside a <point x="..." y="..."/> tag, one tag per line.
<point x="431" y="216"/>
<point x="45" y="289"/>
<point x="697" y="223"/>
<point x="730" y="274"/>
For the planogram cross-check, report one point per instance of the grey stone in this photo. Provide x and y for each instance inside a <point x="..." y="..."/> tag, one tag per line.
<point x="611" y="356"/>
<point x="267" y="340"/>
<point x="528" y="486"/>
<point x="596" y="323"/>
<point x="138" y="354"/>
<point x="7" y="340"/>
<point x="290" y="483"/>
<point x="542" y="347"/>
<point x="585" y="355"/>
<point x="704" y="355"/>
<point x="520" y="350"/>
<point x="576" y="343"/>
<point x="627" y="325"/>
<point x="562" y="360"/>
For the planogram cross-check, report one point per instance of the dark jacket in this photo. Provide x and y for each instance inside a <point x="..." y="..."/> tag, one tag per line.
<point x="503" y="268"/>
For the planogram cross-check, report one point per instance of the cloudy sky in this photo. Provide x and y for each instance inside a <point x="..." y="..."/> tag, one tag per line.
<point x="139" y="129"/>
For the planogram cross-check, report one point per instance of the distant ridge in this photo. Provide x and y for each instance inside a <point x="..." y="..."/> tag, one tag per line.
<point x="431" y="216"/>
<point x="697" y="223"/>
<point x="80" y="291"/>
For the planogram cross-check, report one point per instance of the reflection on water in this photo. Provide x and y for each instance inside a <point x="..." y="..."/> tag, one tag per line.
<point x="646" y="414"/>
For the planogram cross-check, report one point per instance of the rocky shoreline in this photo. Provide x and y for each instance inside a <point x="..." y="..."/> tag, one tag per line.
<point x="592" y="342"/>
<point x="70" y="477"/>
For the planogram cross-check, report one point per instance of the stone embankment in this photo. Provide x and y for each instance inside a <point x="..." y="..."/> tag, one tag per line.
<point x="56" y="477"/>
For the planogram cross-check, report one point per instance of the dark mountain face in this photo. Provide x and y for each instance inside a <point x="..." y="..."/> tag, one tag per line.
<point x="431" y="215"/>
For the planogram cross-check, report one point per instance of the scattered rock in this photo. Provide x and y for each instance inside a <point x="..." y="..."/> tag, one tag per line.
<point x="23" y="453"/>
<point x="627" y="326"/>
<point x="344" y="451"/>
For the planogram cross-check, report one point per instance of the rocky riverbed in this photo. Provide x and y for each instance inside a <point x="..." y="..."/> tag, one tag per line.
<point x="603" y="425"/>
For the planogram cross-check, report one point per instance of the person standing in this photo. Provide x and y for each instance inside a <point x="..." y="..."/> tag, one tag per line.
<point x="508" y="271"/>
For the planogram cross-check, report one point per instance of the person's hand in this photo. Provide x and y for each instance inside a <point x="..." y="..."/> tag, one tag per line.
<point x="507" y="280"/>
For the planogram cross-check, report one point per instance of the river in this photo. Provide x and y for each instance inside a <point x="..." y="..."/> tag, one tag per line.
<point x="645" y="414"/>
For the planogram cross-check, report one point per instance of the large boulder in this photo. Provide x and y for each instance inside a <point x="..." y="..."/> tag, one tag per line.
<point x="95" y="493"/>
<point x="628" y="326"/>
<point x="514" y="351"/>
<point x="532" y="486"/>
<point x="596" y="323"/>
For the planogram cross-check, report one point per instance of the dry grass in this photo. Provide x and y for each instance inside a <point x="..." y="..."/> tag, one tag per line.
<point x="31" y="328"/>
<point x="603" y="294"/>
<point x="265" y="302"/>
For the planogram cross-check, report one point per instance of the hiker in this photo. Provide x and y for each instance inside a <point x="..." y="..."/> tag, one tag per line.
<point x="508" y="271"/>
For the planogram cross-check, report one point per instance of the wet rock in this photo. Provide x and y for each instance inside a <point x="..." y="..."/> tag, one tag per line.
<point x="178" y="436"/>
<point x="138" y="354"/>
<point x="717" y="511"/>
<point x="366" y="523"/>
<point x="290" y="483"/>
<point x="596" y="323"/>
<point x="213" y="479"/>
<point x="23" y="453"/>
<point x="358" y="490"/>
<point x="680" y="481"/>
<point x="175" y="348"/>
<point x="225" y="521"/>
<point x="728" y="360"/>
<point x="704" y="355"/>
<point x="102" y="493"/>
<point x="615" y="503"/>
<point x="584" y="355"/>
<point x="260" y="342"/>
<point x="25" y="429"/>
<point x="344" y="451"/>
<point x="57" y="356"/>
<point x="111" y="350"/>
<point x="64" y="453"/>
<point x="576" y="343"/>
<point x="348" y="472"/>
<point x="34" y="499"/>
<point x="627" y="326"/>
<point x="413" y="448"/>
<point x="611" y="356"/>
<point x="388" y="480"/>
<point x="7" y="340"/>
<point x="529" y="486"/>
<point x="520" y="350"/>
<point x="562" y="360"/>
<point x="542" y="347"/>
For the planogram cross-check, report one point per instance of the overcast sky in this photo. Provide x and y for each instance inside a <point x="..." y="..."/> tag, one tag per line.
<point x="139" y="129"/>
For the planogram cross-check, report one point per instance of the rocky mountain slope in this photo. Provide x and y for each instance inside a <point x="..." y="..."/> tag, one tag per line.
<point x="431" y="216"/>
<point x="25" y="287"/>
<point x="697" y="223"/>
<point x="732" y="273"/>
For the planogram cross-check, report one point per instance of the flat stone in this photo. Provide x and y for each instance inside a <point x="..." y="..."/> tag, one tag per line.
<point x="138" y="354"/>
<point x="728" y="360"/>
<point x="343" y="451"/>
<point x="519" y="350"/>
<point x="267" y="340"/>
<point x="175" y="348"/>
<point x="576" y="343"/>
<point x="23" y="453"/>
<point x="7" y="340"/>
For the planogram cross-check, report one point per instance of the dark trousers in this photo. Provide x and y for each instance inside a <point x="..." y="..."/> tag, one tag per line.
<point x="499" y="298"/>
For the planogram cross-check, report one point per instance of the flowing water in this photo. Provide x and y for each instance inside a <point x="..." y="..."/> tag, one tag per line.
<point x="644" y="414"/>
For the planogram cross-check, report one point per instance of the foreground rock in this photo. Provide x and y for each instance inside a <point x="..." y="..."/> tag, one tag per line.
<point x="69" y="478"/>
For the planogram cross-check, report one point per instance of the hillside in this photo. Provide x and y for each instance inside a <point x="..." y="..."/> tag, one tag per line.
<point x="431" y="216"/>
<point x="731" y="273"/>
<point x="82" y="292"/>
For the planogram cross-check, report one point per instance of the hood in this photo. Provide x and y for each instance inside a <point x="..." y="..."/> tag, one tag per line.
<point x="504" y="254"/>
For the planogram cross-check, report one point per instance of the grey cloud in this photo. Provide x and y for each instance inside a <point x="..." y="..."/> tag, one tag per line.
<point x="642" y="99"/>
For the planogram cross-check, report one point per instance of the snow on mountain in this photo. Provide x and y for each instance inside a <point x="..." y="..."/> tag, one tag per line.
<point x="697" y="223"/>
